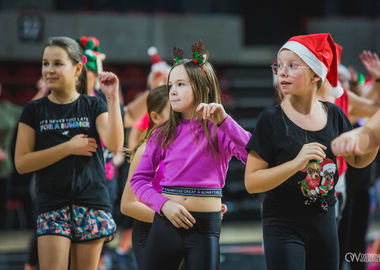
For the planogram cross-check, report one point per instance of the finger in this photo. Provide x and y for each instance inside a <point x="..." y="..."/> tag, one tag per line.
<point x="208" y="111"/>
<point x="357" y="151"/>
<point x="214" y="107"/>
<point x="93" y="145"/>
<point x="188" y="216"/>
<point x="338" y="147"/>
<point x="200" y="106"/>
<point x="349" y="147"/>
<point x="334" y="147"/>
<point x="175" y="223"/>
<point x="187" y="221"/>
<point x="335" y="150"/>
<point x="316" y="156"/>
<point x="321" y="153"/>
<point x="376" y="57"/>
<point x="88" y="154"/>
<point x="320" y="145"/>
<point x="204" y="112"/>
<point x="181" y="223"/>
<point x="102" y="76"/>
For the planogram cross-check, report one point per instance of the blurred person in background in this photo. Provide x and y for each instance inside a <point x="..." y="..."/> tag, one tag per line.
<point x="158" y="76"/>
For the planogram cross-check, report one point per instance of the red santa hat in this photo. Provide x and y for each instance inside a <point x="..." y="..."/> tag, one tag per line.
<point x="339" y="50"/>
<point x="157" y="63"/>
<point x="319" y="52"/>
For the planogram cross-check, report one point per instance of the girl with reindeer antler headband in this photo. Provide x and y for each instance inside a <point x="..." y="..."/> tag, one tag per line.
<point x="195" y="145"/>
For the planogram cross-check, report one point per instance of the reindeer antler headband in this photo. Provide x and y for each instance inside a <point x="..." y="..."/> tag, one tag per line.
<point x="199" y="58"/>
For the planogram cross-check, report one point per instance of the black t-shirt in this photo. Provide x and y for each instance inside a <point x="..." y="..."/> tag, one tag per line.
<point x="75" y="179"/>
<point x="276" y="139"/>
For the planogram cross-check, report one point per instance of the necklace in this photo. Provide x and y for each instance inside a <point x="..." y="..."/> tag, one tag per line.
<point x="55" y="100"/>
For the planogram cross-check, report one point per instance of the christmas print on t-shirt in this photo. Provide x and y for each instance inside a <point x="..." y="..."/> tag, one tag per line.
<point x="319" y="179"/>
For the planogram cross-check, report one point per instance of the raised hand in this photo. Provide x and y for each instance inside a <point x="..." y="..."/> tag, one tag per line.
<point x="213" y="112"/>
<point x="81" y="145"/>
<point x="371" y="63"/>
<point x="346" y="145"/>
<point x="177" y="214"/>
<point x="109" y="84"/>
<point x="308" y="152"/>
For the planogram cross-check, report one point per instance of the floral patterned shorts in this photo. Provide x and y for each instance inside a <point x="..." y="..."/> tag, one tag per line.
<point x="77" y="223"/>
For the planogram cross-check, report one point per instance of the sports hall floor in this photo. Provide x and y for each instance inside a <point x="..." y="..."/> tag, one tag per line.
<point x="241" y="248"/>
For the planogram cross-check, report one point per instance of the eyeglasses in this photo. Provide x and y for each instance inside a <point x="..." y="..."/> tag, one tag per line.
<point x="289" y="69"/>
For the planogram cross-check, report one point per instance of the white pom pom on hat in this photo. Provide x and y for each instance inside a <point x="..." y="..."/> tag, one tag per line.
<point x="319" y="52"/>
<point x="152" y="50"/>
<point x="337" y="91"/>
<point x="157" y="63"/>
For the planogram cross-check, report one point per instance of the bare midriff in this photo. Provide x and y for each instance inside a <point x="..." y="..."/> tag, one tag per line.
<point x="197" y="204"/>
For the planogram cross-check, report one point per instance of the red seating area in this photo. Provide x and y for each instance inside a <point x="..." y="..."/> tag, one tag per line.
<point x="19" y="80"/>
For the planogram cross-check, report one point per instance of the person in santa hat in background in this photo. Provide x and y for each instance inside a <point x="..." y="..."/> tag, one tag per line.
<point x="354" y="107"/>
<point x="362" y="102"/>
<point x="157" y="76"/>
<point x="113" y="161"/>
<point x="299" y="230"/>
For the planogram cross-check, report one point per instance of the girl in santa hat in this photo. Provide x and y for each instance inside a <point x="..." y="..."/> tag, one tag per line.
<point x="299" y="228"/>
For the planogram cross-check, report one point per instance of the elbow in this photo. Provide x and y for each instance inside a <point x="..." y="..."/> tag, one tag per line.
<point x="248" y="187"/>
<point x="125" y="206"/>
<point x="250" y="190"/>
<point x="123" y="209"/>
<point x="116" y="147"/>
<point x="252" y="187"/>
<point x="20" y="168"/>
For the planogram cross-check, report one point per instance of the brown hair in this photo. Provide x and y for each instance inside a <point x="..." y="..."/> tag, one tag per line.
<point x="156" y="101"/>
<point x="206" y="89"/>
<point x="75" y="54"/>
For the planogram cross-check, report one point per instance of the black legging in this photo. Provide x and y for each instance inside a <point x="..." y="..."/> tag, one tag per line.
<point x="353" y="227"/>
<point x="139" y="238"/>
<point x="309" y="243"/>
<point x="199" y="246"/>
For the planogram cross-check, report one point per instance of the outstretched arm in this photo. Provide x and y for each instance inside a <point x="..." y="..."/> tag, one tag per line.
<point x="360" y="106"/>
<point x="359" y="146"/>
